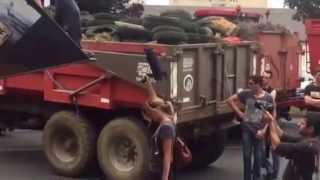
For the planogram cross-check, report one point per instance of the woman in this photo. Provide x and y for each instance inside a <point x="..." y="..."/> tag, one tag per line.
<point x="161" y="113"/>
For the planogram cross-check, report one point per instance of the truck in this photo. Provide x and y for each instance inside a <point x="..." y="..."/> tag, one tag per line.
<point x="276" y="50"/>
<point x="90" y="111"/>
<point x="312" y="27"/>
<point x="87" y="113"/>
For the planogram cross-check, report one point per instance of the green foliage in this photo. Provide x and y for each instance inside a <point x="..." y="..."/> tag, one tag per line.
<point x="305" y="8"/>
<point x="115" y="7"/>
<point x="109" y="6"/>
<point x="135" y="10"/>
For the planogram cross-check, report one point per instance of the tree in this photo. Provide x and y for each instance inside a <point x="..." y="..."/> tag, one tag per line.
<point x="109" y="6"/>
<point x="305" y="8"/>
<point x="135" y="10"/>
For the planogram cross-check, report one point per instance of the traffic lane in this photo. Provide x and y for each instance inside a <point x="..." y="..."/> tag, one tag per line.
<point x="32" y="165"/>
<point x="21" y="157"/>
<point x="228" y="167"/>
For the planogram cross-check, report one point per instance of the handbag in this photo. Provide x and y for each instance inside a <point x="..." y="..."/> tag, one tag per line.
<point x="182" y="154"/>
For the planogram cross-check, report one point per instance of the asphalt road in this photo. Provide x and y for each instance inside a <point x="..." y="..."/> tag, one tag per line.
<point x="21" y="158"/>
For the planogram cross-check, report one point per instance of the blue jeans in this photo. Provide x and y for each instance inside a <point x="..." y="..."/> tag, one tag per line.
<point x="272" y="169"/>
<point x="251" y="146"/>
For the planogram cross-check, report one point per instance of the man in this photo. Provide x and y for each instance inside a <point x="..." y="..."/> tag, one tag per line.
<point x="312" y="93"/>
<point x="252" y="124"/>
<point x="272" y="170"/>
<point x="303" y="152"/>
<point x="267" y="75"/>
<point x="68" y="17"/>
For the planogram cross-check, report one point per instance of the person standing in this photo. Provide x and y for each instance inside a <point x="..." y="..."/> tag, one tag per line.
<point x="68" y="17"/>
<point x="252" y="124"/>
<point x="272" y="170"/>
<point x="267" y="75"/>
<point x="312" y="93"/>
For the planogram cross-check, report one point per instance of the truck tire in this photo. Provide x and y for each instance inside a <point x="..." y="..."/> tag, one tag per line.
<point x="96" y="22"/>
<point x="194" y="38"/>
<point x="207" y="150"/>
<point x="151" y="22"/>
<point x="92" y="31"/>
<point x="177" y="13"/>
<point x="123" y="150"/>
<point x="105" y="16"/>
<point x="69" y="144"/>
<point x="132" y="31"/>
<point x="170" y="37"/>
<point x="137" y="21"/>
<point x="167" y="28"/>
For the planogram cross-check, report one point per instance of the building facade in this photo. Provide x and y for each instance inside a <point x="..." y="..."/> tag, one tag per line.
<point x="138" y="1"/>
<point x="225" y="3"/>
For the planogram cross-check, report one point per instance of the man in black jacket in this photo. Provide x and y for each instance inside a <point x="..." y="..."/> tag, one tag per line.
<point x="68" y="17"/>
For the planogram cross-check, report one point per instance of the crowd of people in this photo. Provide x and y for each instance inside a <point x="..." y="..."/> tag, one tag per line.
<point x="263" y="140"/>
<point x="262" y="135"/>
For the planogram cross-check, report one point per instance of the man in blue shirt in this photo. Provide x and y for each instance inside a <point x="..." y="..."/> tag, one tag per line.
<point x="252" y="124"/>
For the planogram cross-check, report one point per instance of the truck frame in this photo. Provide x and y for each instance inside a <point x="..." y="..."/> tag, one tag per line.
<point x="88" y="112"/>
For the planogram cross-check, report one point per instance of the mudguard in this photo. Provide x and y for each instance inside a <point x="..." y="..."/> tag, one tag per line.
<point x="30" y="40"/>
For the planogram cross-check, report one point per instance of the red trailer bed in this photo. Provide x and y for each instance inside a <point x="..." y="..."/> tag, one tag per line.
<point x="58" y="84"/>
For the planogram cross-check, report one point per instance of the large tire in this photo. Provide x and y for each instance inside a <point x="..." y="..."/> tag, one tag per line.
<point x="69" y="144"/>
<point x="151" y="22"/>
<point x="137" y="21"/>
<point x="206" y="31"/>
<point x="170" y="37"/>
<point x="132" y="32"/>
<point x="194" y="38"/>
<point x="96" y="22"/>
<point x="167" y="28"/>
<point x="105" y="16"/>
<point x="178" y="13"/>
<point x="207" y="150"/>
<point x="110" y="29"/>
<point x="123" y="149"/>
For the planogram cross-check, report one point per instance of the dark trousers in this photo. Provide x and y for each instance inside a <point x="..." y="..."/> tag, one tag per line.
<point x="272" y="168"/>
<point x="251" y="147"/>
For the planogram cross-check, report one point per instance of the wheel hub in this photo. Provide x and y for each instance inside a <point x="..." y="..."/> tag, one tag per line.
<point x="65" y="146"/>
<point x="123" y="154"/>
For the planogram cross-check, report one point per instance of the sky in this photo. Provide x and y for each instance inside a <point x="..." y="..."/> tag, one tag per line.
<point x="275" y="3"/>
<point x="271" y="3"/>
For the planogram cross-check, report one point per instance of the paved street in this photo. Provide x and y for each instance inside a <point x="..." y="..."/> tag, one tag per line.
<point x="21" y="158"/>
